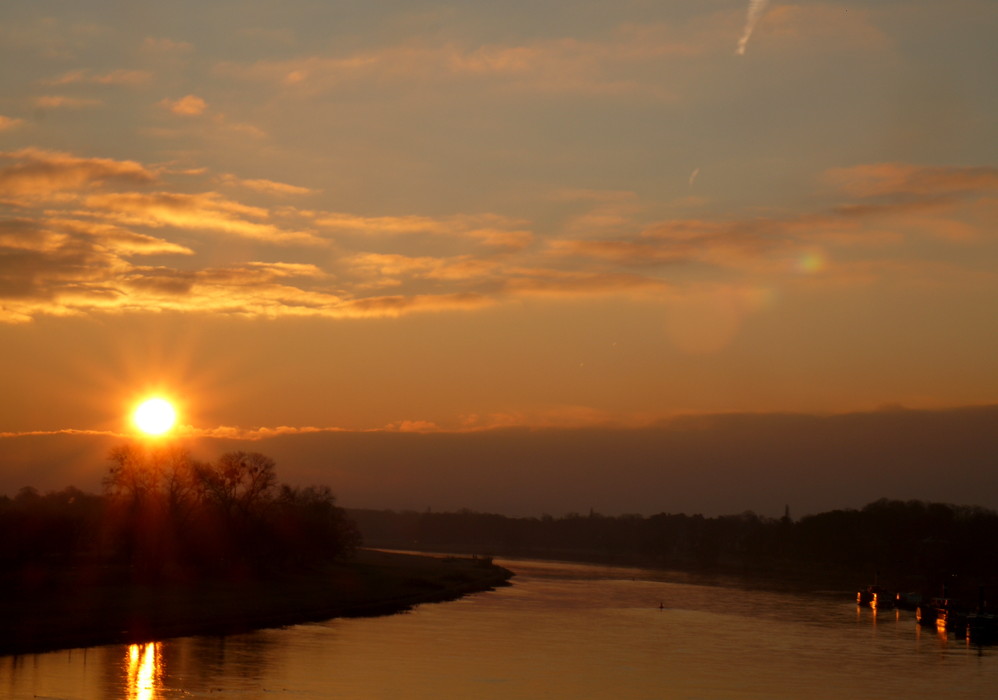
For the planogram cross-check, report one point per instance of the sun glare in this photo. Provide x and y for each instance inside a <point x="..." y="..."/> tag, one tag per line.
<point x="154" y="416"/>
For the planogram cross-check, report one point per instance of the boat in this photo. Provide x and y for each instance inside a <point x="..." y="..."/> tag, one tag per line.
<point x="876" y="597"/>
<point x="908" y="601"/>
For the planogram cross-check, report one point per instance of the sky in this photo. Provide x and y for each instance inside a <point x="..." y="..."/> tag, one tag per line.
<point x="324" y="217"/>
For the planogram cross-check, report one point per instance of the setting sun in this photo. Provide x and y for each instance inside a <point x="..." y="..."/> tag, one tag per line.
<point x="154" y="416"/>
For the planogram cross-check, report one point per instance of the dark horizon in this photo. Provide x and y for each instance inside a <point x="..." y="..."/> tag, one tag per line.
<point x="709" y="464"/>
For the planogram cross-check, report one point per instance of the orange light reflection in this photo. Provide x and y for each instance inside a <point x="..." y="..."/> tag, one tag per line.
<point x="144" y="671"/>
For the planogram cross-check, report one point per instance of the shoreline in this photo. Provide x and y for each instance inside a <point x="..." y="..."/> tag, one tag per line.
<point x="72" y="612"/>
<point x="778" y="576"/>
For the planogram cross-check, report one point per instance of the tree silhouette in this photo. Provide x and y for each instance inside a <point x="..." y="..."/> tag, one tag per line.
<point x="166" y="512"/>
<point x="239" y="483"/>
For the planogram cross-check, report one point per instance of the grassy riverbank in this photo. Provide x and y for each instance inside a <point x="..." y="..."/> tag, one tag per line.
<point x="85" y="607"/>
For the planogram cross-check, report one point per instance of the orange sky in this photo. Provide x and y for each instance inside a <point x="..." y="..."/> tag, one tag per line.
<point x="431" y="217"/>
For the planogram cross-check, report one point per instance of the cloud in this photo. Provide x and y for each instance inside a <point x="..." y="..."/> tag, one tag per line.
<point x="115" y="77"/>
<point x="388" y="267"/>
<point x="821" y="26"/>
<point x="232" y="432"/>
<point x="63" y="102"/>
<point x="576" y="283"/>
<point x="413" y="426"/>
<point x="187" y="106"/>
<point x="25" y="234"/>
<point x="886" y="179"/>
<point x="37" y="172"/>
<point x="267" y="186"/>
<point x="756" y="9"/>
<point x="482" y="280"/>
<point x="239" y="129"/>
<point x="62" y="431"/>
<point x="81" y="253"/>
<point x="279" y="269"/>
<point x="118" y="240"/>
<point x="9" y="123"/>
<point x="671" y="466"/>
<point x="499" y="238"/>
<point x="205" y="211"/>
<point x="885" y="206"/>
<point x="65" y="268"/>
<point x="78" y="255"/>
<point x="641" y="252"/>
<point x="559" y="416"/>
<point x="489" y="229"/>
<point x="560" y="65"/>
<point x="398" y="305"/>
<point x="59" y="266"/>
<point x="686" y="241"/>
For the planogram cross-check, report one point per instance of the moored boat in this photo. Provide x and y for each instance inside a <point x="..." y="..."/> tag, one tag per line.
<point x="876" y="597"/>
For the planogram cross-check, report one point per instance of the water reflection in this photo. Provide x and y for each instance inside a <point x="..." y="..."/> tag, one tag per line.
<point x="145" y="671"/>
<point x="560" y="631"/>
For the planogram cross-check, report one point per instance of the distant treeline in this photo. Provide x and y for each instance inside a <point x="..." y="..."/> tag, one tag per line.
<point x="164" y="514"/>
<point x="921" y="544"/>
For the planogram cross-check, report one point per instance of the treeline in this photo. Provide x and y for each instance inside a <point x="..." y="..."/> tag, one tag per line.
<point x="164" y="514"/>
<point x="917" y="542"/>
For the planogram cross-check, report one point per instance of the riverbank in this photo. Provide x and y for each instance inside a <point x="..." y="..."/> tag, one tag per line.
<point x="89" y="608"/>
<point x="779" y="576"/>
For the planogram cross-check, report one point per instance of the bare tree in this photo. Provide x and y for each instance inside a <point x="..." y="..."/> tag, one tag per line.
<point x="240" y="482"/>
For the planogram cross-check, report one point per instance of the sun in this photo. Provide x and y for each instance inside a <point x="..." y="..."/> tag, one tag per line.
<point x="154" y="416"/>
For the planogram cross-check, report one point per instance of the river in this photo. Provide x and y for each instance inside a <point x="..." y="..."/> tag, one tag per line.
<point x="561" y="631"/>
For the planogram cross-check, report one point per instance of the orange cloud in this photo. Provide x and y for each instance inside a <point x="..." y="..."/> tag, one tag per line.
<point x="936" y="201"/>
<point x="267" y="186"/>
<point x="489" y="229"/>
<point x="115" y="77"/>
<point x="819" y="25"/>
<point x="24" y="234"/>
<point x="543" y="417"/>
<point x="232" y="432"/>
<point x="8" y="123"/>
<point x="120" y="241"/>
<point x="78" y="255"/>
<point x="722" y="243"/>
<point x="413" y="426"/>
<point x="386" y="268"/>
<point x="627" y="252"/>
<point x="63" y="102"/>
<point x="187" y="106"/>
<point x="394" y="306"/>
<point x="60" y="273"/>
<point x="560" y="65"/>
<point x="38" y="173"/>
<point x="59" y="266"/>
<point x="884" y="179"/>
<point x="63" y="431"/>
<point x="574" y="283"/>
<point x="205" y="211"/>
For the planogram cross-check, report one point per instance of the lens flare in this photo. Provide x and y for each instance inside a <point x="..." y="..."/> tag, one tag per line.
<point x="811" y="263"/>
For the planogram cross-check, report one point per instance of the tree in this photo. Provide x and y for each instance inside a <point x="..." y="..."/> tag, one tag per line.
<point x="241" y="483"/>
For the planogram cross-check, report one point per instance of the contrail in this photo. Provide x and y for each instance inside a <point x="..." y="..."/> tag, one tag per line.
<point x="755" y="10"/>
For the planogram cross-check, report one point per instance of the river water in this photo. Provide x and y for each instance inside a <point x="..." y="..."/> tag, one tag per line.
<point x="561" y="631"/>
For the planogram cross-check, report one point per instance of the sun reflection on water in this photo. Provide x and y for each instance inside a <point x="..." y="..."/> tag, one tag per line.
<point x="144" y="671"/>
